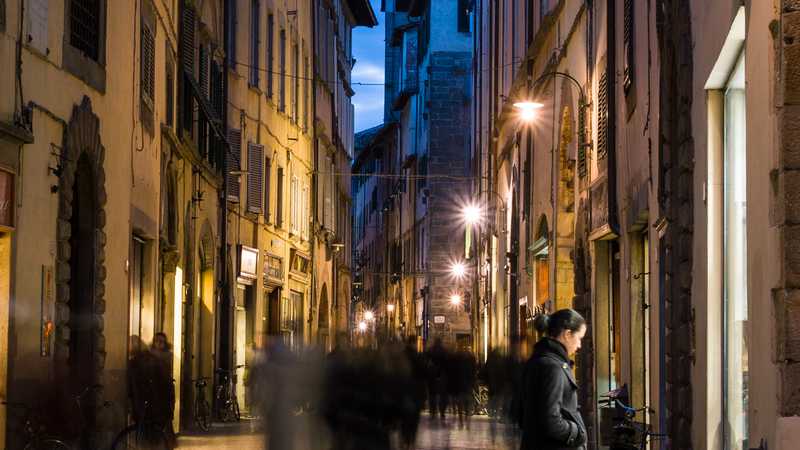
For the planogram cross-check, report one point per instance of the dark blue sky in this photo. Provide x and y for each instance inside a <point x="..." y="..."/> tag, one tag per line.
<point x="368" y="51"/>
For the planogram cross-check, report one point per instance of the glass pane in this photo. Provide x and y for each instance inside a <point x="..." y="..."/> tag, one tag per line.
<point x="735" y="254"/>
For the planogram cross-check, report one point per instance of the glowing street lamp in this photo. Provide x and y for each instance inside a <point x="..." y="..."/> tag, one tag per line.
<point x="472" y="214"/>
<point x="390" y="307"/>
<point x="527" y="109"/>
<point x="458" y="270"/>
<point x="455" y="299"/>
<point x="369" y="315"/>
<point x="362" y="326"/>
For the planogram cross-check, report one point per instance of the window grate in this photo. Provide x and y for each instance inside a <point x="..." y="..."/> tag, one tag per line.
<point x="84" y="27"/>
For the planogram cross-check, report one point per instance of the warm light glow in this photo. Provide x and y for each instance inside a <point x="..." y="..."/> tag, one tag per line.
<point x="527" y="109"/>
<point x="458" y="269"/>
<point x="472" y="214"/>
<point x="362" y="326"/>
<point x="390" y="307"/>
<point x="368" y="315"/>
<point x="177" y="329"/>
<point x="455" y="299"/>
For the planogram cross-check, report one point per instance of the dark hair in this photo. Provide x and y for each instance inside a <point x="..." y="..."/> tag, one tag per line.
<point x="558" y="322"/>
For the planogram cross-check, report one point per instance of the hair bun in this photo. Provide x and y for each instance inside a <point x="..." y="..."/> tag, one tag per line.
<point x="541" y="323"/>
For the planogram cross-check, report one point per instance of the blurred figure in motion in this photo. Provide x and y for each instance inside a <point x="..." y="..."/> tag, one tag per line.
<point x="465" y="371"/>
<point x="280" y="398"/>
<point x="410" y="422"/>
<point x="437" y="379"/>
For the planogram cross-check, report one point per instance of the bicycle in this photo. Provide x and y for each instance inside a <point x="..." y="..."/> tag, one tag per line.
<point x="626" y="433"/>
<point x="33" y="429"/>
<point x="202" y="409"/>
<point x="142" y="435"/>
<point x="480" y="400"/>
<point x="35" y="432"/>
<point x="226" y="400"/>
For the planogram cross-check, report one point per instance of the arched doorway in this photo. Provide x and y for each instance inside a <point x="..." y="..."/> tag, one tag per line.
<point x="80" y="351"/>
<point x="82" y="341"/>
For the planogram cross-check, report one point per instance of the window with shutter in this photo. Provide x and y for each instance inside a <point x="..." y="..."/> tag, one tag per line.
<point x="255" y="161"/>
<point x="582" y="166"/>
<point x="282" y="80"/>
<point x="267" y="189"/>
<point x="217" y="89"/>
<point x="296" y="84"/>
<point x="148" y="58"/>
<point x="602" y="117"/>
<point x="203" y="70"/>
<point x="628" y="45"/>
<point x="270" y="53"/>
<point x="279" y="199"/>
<point x="187" y="38"/>
<point x="36" y="22"/>
<point x="255" y="27"/>
<point x="234" y="157"/>
<point x="231" y="32"/>
<point x="170" y="88"/>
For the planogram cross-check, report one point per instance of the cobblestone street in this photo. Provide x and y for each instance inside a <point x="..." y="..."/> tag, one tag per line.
<point x="433" y="435"/>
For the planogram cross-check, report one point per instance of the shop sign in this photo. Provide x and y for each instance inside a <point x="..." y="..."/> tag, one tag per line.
<point x="6" y="199"/>
<point x="248" y="263"/>
<point x="438" y="319"/>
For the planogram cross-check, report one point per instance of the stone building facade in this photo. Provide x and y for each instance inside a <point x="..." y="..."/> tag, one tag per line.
<point x="424" y="177"/>
<point x="657" y="200"/>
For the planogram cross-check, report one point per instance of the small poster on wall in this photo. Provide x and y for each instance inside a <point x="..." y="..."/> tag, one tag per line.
<point x="47" y="307"/>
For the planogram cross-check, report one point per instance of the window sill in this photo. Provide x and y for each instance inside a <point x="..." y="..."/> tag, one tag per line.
<point x="86" y="69"/>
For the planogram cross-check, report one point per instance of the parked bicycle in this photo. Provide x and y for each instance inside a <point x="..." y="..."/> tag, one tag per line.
<point x="625" y="432"/>
<point x="226" y="401"/>
<point x="37" y="437"/>
<point x="143" y="435"/>
<point x="202" y="409"/>
<point x="480" y="400"/>
<point x="36" y="434"/>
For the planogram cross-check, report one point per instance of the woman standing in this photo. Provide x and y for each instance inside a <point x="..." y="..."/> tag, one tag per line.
<point x="550" y="417"/>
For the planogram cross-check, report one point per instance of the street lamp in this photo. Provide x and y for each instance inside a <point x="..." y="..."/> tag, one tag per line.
<point x="458" y="269"/>
<point x="455" y="299"/>
<point x="369" y="315"/>
<point x="472" y="214"/>
<point x="390" y="308"/>
<point x="527" y="109"/>
<point x="362" y="326"/>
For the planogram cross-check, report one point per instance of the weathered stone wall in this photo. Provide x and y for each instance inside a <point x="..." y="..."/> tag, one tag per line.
<point x="449" y="123"/>
<point x="787" y="295"/>
<point x="676" y="197"/>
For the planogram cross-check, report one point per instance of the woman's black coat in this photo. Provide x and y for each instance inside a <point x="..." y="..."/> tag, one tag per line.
<point x="550" y="417"/>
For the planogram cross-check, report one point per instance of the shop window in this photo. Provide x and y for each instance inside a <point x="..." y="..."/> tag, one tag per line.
<point x="735" y="300"/>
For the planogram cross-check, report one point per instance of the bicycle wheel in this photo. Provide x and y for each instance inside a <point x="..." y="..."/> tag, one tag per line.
<point x="202" y="414"/>
<point x="237" y="415"/>
<point x="47" y="444"/>
<point x="140" y="437"/>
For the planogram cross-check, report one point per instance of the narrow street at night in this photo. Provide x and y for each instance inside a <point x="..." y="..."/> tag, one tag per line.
<point x="482" y="434"/>
<point x="352" y="218"/>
